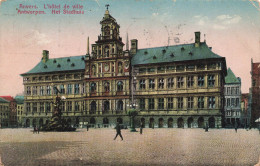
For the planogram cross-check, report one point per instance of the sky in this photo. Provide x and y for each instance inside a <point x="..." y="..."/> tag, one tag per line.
<point x="230" y="27"/>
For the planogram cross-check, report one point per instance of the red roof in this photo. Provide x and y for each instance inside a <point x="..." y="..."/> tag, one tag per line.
<point x="8" y="98"/>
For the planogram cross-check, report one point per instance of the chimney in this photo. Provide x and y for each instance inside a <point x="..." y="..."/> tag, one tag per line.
<point x="197" y="39"/>
<point x="88" y="46"/>
<point x="45" y="56"/>
<point x="134" y="46"/>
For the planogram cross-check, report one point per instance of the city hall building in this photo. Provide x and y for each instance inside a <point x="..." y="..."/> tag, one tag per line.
<point x="173" y="86"/>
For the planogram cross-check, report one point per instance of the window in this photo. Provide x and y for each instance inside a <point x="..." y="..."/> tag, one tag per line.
<point x="151" y="70"/>
<point x="201" y="67"/>
<point x="120" y="105"/>
<point x="237" y="102"/>
<point x="142" y="70"/>
<point x="232" y="90"/>
<point x="151" y="83"/>
<point x="28" y="107"/>
<point x="69" y="106"/>
<point x="106" y="86"/>
<point x="232" y="102"/>
<point x="212" y="66"/>
<point x="170" y="82"/>
<point x="41" y="90"/>
<point x="93" y="107"/>
<point x="180" y="68"/>
<point x="93" y="87"/>
<point x="62" y="89"/>
<point x="161" y="83"/>
<point x="180" y="102"/>
<point x="142" y="103"/>
<point x="228" y="91"/>
<point x="191" y="67"/>
<point x="107" y="31"/>
<point x="83" y="106"/>
<point x="237" y="90"/>
<point x="211" y="102"/>
<point x="161" y="103"/>
<point x="170" y="102"/>
<point x="34" y="90"/>
<point x="76" y="106"/>
<point x="170" y="68"/>
<point x="211" y="80"/>
<point x="48" y="90"/>
<point x="201" y="102"/>
<point x="190" y="102"/>
<point x="76" y="89"/>
<point x="83" y="88"/>
<point x="190" y="81"/>
<point x="28" y="90"/>
<point x="180" y="82"/>
<point x="142" y="84"/>
<point x="151" y="104"/>
<point x="34" y="107"/>
<point x="48" y="107"/>
<point x="69" y="90"/>
<point x="200" y="81"/>
<point x="120" y="86"/>
<point x="41" y="107"/>
<point x="62" y="106"/>
<point x="161" y="69"/>
<point x="228" y="102"/>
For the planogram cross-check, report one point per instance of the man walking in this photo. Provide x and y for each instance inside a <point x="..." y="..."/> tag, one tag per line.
<point x="141" y="128"/>
<point x="118" y="131"/>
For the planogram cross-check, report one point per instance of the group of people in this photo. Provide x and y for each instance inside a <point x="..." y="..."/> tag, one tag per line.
<point x="36" y="130"/>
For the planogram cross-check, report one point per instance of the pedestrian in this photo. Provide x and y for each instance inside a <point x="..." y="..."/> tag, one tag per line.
<point x="206" y="128"/>
<point x="236" y="129"/>
<point x="87" y="126"/>
<point x="141" y="128"/>
<point x="38" y="130"/>
<point x="118" y="131"/>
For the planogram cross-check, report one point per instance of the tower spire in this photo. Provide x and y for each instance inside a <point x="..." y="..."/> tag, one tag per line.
<point x="127" y="44"/>
<point x="88" y="46"/>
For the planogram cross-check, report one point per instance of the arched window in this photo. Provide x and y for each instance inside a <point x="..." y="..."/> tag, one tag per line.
<point x="120" y="105"/>
<point x="107" y="31"/>
<point x="120" y="86"/>
<point x="106" y="87"/>
<point x="93" y="70"/>
<point x="93" y="107"/>
<point x="106" y="51"/>
<point x="115" y="33"/>
<point x="120" y="67"/>
<point x="93" y="87"/>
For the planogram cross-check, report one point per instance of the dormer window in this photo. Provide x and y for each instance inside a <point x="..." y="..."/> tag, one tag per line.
<point x="190" y="53"/>
<point x="68" y="60"/>
<point x="154" y="57"/>
<point x="172" y="55"/>
<point x="54" y="61"/>
<point x="182" y="49"/>
<point x="58" y="65"/>
<point x="45" y="66"/>
<point x="164" y="51"/>
<point x="145" y="53"/>
<point x="72" y="65"/>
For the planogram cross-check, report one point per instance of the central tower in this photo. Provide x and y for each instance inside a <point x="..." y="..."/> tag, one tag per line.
<point x="107" y="75"/>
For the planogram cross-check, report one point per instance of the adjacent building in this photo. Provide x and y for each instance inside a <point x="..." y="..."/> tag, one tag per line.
<point x="12" y="114"/>
<point x="4" y="112"/>
<point x="245" y="113"/>
<point x="19" y="109"/>
<point x="171" y="86"/>
<point x="254" y="96"/>
<point x="232" y="99"/>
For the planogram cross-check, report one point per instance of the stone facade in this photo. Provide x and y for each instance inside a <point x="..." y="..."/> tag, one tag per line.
<point x="171" y="86"/>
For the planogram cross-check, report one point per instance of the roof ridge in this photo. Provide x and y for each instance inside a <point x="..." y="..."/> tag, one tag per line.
<point x="166" y="46"/>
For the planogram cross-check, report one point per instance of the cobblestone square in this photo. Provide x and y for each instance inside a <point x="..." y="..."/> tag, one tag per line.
<point x="153" y="147"/>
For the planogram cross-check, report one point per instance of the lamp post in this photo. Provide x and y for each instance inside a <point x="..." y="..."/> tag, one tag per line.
<point x="132" y="112"/>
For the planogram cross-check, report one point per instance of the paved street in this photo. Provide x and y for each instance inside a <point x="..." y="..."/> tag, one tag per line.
<point x="155" y="147"/>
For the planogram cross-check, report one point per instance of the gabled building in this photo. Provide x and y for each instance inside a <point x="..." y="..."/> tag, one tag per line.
<point x="171" y="86"/>
<point x="232" y="99"/>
